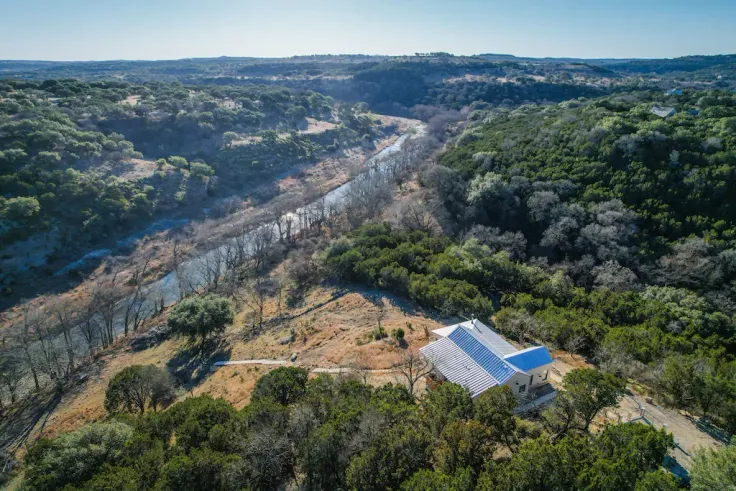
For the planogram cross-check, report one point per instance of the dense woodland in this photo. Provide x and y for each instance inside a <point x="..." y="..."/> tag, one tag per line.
<point x="591" y="225"/>
<point x="81" y="144"/>
<point x="340" y="434"/>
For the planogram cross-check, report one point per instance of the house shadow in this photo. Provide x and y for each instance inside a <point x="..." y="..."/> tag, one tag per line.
<point x="191" y="365"/>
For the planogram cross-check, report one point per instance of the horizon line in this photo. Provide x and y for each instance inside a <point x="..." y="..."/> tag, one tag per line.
<point x="376" y="55"/>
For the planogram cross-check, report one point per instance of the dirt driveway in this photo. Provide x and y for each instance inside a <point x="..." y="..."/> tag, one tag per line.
<point x="689" y="433"/>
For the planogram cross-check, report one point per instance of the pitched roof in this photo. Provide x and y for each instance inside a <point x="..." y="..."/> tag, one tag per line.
<point x="529" y="358"/>
<point x="457" y="366"/>
<point x="482" y="355"/>
<point x="471" y="354"/>
<point x="484" y="333"/>
<point x="663" y="112"/>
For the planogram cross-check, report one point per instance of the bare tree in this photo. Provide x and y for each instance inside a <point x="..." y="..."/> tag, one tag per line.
<point x="177" y="267"/>
<point x="209" y="265"/>
<point x="416" y="215"/>
<point x="137" y="308"/>
<point x="88" y="325"/>
<point x="362" y="367"/>
<point x="366" y="196"/>
<point x="411" y="367"/>
<point x="48" y="363"/>
<point x="65" y="313"/>
<point x="105" y="298"/>
<point x="520" y="323"/>
<point x="261" y="242"/>
<point x="12" y="371"/>
<point x="380" y="316"/>
<point x="25" y="340"/>
<point x="574" y="343"/>
<point x="257" y="295"/>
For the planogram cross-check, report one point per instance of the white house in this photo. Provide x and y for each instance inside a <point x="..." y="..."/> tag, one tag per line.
<point x="471" y="354"/>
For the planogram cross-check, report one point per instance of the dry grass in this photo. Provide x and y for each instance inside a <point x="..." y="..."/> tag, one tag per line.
<point x="332" y="329"/>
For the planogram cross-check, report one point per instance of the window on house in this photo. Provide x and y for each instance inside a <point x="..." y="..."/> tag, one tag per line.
<point x="544" y="377"/>
<point x="522" y="389"/>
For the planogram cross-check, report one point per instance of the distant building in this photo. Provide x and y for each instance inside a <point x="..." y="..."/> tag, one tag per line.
<point x="663" y="112"/>
<point x="674" y="92"/>
<point x="693" y="112"/>
<point x="472" y="355"/>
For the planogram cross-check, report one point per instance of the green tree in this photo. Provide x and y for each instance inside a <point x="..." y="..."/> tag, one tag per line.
<point x="625" y="453"/>
<point x="541" y="465"/>
<point x="201" y="469"/>
<point x="400" y="452"/>
<point x="426" y="480"/>
<point x="139" y="386"/>
<point x="21" y="210"/>
<point x="201" y="317"/>
<point x="200" y="169"/>
<point x="715" y="470"/>
<point x="285" y="385"/>
<point x="114" y="478"/>
<point x="178" y="162"/>
<point x="463" y="444"/>
<point x="592" y="391"/>
<point x="659" y="480"/>
<point x="494" y="408"/>
<point x="75" y="457"/>
<point x="448" y="402"/>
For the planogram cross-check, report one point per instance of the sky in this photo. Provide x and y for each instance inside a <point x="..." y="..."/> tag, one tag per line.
<point x="172" y="29"/>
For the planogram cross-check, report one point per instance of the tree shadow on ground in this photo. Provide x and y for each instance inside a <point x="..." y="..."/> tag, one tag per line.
<point x="17" y="423"/>
<point x="405" y="305"/>
<point x="192" y="364"/>
<point x="711" y="430"/>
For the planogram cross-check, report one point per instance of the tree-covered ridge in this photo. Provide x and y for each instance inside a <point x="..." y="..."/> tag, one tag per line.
<point x="593" y="226"/>
<point x="71" y="142"/>
<point x="676" y="173"/>
<point x="327" y="433"/>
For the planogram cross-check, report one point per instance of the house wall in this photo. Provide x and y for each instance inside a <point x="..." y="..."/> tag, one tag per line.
<point x="535" y="378"/>
<point x="517" y="382"/>
<point x="541" y="375"/>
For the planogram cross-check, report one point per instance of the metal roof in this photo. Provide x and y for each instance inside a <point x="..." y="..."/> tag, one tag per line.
<point x="495" y="340"/>
<point x="530" y="358"/>
<point x="482" y="355"/>
<point x="483" y="333"/>
<point x="457" y="366"/>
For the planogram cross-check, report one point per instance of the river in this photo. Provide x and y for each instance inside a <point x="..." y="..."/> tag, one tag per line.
<point x="167" y="288"/>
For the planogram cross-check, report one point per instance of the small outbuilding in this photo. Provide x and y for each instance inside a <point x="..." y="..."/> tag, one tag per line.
<point x="664" y="112"/>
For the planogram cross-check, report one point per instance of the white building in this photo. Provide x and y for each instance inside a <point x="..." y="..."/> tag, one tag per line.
<point x="472" y="355"/>
<point x="664" y="112"/>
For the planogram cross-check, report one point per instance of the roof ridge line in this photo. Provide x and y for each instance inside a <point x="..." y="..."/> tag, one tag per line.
<point x="496" y="353"/>
<point x="471" y="359"/>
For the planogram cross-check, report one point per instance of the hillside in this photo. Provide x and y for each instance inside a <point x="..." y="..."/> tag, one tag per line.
<point x="566" y="203"/>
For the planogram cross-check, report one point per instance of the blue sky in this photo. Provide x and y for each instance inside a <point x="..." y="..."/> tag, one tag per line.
<point x="169" y="29"/>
